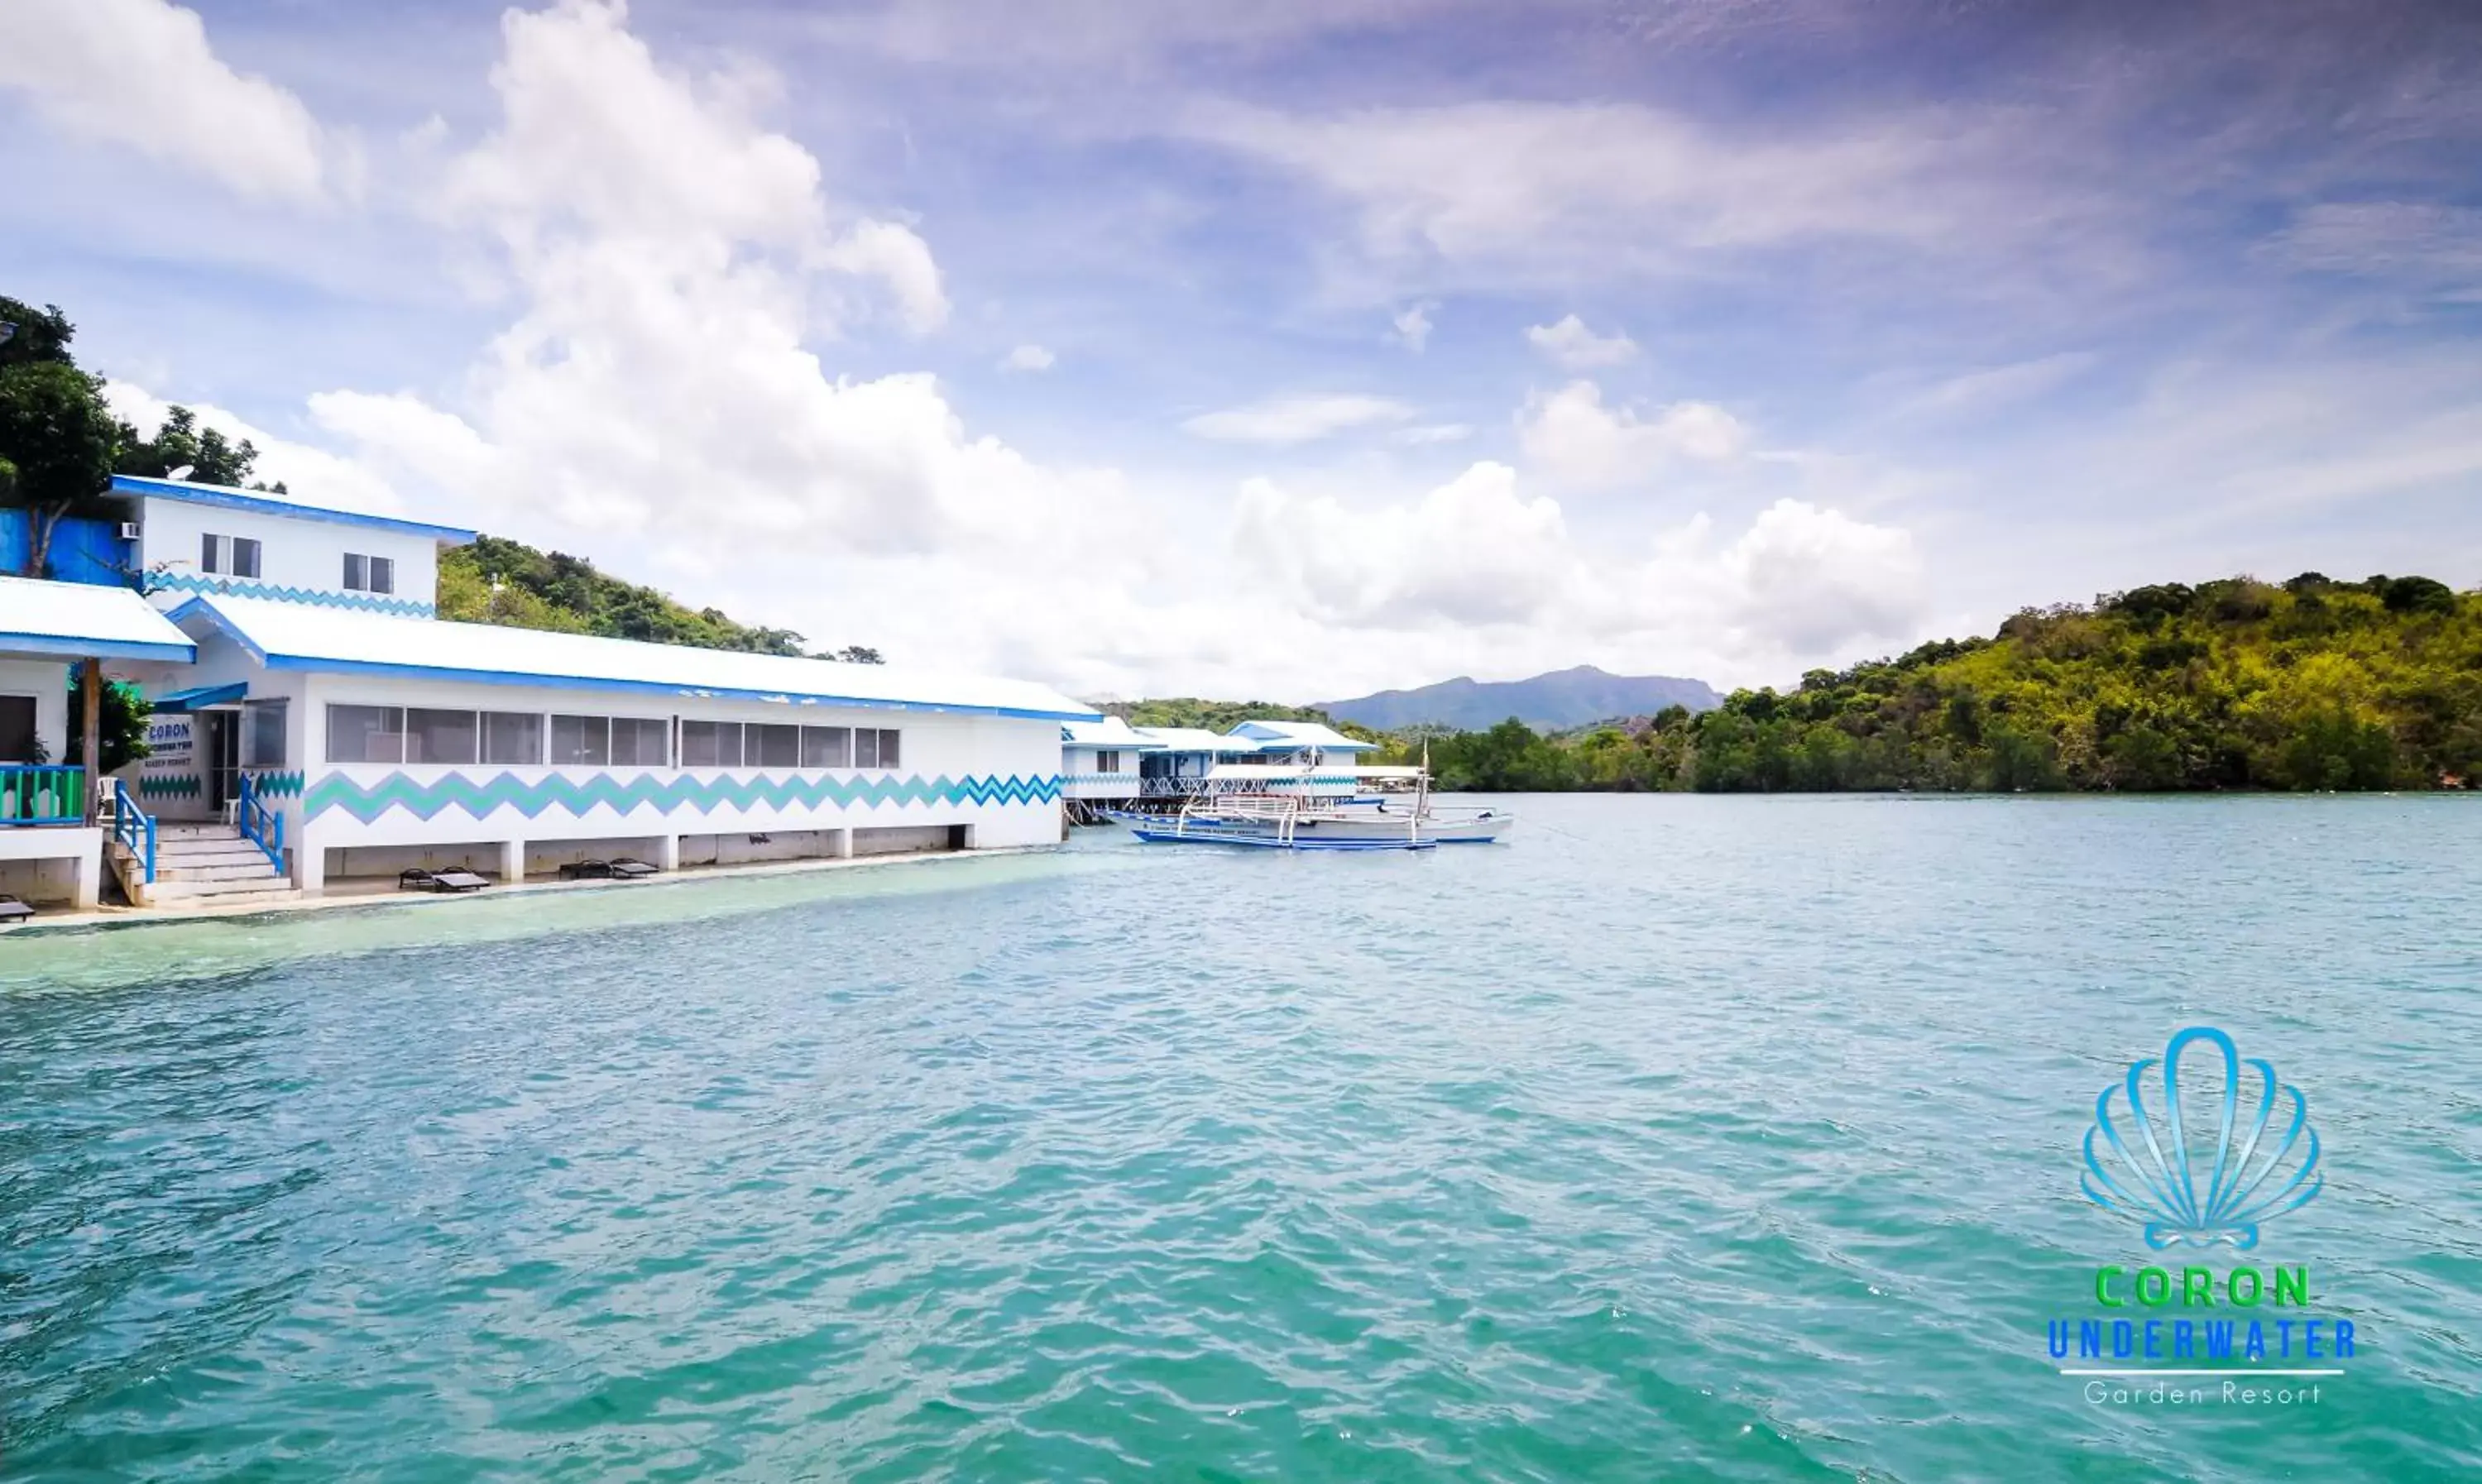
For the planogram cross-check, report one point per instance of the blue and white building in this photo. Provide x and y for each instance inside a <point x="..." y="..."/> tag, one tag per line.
<point x="310" y="704"/>
<point x="1100" y="760"/>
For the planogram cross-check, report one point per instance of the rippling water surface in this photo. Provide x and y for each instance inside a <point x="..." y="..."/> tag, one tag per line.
<point x="1679" y="1138"/>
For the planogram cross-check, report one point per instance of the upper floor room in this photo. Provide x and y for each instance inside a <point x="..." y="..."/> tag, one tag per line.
<point x="174" y="539"/>
<point x="188" y="539"/>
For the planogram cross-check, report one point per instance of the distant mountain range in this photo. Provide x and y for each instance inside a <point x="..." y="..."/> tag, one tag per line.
<point x="1546" y="702"/>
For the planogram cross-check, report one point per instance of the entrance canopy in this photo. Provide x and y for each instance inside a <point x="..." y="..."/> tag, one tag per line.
<point x="198" y="697"/>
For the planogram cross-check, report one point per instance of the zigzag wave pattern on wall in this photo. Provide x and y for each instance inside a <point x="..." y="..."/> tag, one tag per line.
<point x="167" y="785"/>
<point x="192" y="582"/>
<point x="278" y="784"/>
<point x="576" y="796"/>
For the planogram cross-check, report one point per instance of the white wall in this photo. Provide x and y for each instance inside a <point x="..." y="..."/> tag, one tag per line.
<point x="1081" y="767"/>
<point x="293" y="552"/>
<point x="936" y="747"/>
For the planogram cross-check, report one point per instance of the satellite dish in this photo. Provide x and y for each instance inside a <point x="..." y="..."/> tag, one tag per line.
<point x="183" y="472"/>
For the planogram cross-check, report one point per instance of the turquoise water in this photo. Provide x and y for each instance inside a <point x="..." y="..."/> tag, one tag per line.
<point x="1681" y="1138"/>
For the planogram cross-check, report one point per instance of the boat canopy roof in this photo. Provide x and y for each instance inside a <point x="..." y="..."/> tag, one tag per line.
<point x="1275" y="772"/>
<point x="299" y="636"/>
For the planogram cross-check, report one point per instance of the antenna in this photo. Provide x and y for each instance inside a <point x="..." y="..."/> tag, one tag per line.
<point x="183" y="472"/>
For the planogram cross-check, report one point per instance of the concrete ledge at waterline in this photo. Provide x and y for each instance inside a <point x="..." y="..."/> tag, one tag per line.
<point x="382" y="893"/>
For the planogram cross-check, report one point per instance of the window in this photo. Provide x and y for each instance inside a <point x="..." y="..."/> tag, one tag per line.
<point x="440" y="737"/>
<point x="640" y="742"/>
<point x="369" y="573"/>
<point x="874" y="748"/>
<point x="262" y="733"/>
<point x="365" y="734"/>
<point x="771" y="746"/>
<point x="581" y="741"/>
<point x="237" y="555"/>
<point x="826" y="747"/>
<point x="710" y="744"/>
<point x="513" y="737"/>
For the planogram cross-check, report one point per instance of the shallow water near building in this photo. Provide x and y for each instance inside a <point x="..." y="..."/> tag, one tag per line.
<point x="1681" y="1137"/>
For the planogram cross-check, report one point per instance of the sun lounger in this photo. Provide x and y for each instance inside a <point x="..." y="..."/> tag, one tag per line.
<point x="459" y="880"/>
<point x="586" y="871"/>
<point x="628" y="869"/>
<point x="13" y="910"/>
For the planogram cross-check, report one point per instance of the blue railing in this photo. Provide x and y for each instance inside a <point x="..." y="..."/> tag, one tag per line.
<point x="134" y="828"/>
<point x="42" y="794"/>
<point x="261" y="826"/>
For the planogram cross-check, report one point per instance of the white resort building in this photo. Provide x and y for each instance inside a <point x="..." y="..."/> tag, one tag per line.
<point x="315" y="725"/>
<point x="1111" y="764"/>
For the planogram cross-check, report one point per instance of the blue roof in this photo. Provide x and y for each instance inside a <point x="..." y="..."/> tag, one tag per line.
<point x="198" y="697"/>
<point x="258" y="502"/>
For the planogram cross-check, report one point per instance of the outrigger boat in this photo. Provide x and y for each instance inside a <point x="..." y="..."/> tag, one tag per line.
<point x="1281" y="807"/>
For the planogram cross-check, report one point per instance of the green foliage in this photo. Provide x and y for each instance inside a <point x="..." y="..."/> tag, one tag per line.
<point x="499" y="581"/>
<point x="1221" y="716"/>
<point x="121" y="721"/>
<point x="2315" y="684"/>
<point x="180" y="442"/>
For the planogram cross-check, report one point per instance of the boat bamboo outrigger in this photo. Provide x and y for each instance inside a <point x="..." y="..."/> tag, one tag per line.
<point x="1319" y="806"/>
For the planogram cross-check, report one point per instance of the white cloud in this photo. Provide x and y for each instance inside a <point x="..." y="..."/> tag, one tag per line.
<point x="1435" y="432"/>
<point x="1995" y="386"/>
<point x="1573" y="347"/>
<point x="141" y="73"/>
<point x="2421" y="243"/>
<point x="312" y="475"/>
<point x="1028" y="357"/>
<point x="1285" y="420"/>
<point x="1572" y="438"/>
<point x="1412" y="327"/>
<point x="1801" y="584"/>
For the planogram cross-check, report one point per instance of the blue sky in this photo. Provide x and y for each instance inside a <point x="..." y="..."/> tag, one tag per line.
<point x="1297" y="350"/>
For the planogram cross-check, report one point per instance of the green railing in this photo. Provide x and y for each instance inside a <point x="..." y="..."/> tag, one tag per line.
<point x="42" y="794"/>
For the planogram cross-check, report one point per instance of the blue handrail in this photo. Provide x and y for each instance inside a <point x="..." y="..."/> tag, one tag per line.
<point x="134" y="828"/>
<point x="261" y="826"/>
<point x="42" y="794"/>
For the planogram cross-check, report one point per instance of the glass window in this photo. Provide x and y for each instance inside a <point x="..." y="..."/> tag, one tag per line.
<point x="262" y="734"/>
<point x="513" y="737"/>
<point x="826" y="747"/>
<point x="710" y="744"/>
<point x="357" y="571"/>
<point x="245" y="557"/>
<point x="1107" y="761"/>
<point x="210" y="554"/>
<point x="770" y="745"/>
<point x="581" y="741"/>
<point x="383" y="575"/>
<point x="888" y="748"/>
<point x="440" y="737"/>
<point x="365" y="734"/>
<point x="865" y="747"/>
<point x="644" y="743"/>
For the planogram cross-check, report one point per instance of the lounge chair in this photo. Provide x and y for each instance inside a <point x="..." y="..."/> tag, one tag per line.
<point x="458" y="879"/>
<point x="586" y="871"/>
<point x="629" y="869"/>
<point x="13" y="910"/>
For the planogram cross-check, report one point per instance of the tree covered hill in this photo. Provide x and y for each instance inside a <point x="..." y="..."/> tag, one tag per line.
<point x="2313" y="684"/>
<point x="556" y="591"/>
<point x="1222" y="716"/>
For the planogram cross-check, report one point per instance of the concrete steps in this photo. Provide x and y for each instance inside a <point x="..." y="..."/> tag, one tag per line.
<point x="212" y="866"/>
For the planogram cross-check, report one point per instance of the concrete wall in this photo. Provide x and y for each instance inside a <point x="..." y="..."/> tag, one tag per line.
<point x="998" y="776"/>
<point x="47" y="680"/>
<point x="297" y="557"/>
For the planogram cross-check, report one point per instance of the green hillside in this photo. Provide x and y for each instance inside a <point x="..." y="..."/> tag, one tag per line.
<point x="2313" y="684"/>
<point x="556" y="591"/>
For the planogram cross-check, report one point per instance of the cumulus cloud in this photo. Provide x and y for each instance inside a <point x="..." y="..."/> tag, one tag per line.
<point x="1802" y="583"/>
<point x="140" y="73"/>
<point x="1573" y="347"/>
<point x="312" y="475"/>
<point x="1285" y="420"/>
<point x="1027" y="358"/>
<point x="1578" y="442"/>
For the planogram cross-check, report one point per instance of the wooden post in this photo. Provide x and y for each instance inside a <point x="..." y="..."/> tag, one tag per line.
<point x="92" y="745"/>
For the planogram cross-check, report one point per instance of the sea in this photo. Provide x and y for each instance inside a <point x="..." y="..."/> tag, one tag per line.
<point x="1676" y="1138"/>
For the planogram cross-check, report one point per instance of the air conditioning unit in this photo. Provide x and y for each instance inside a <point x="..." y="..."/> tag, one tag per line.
<point x="129" y="530"/>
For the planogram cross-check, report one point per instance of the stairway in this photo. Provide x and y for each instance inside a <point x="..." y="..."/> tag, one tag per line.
<point x="211" y="865"/>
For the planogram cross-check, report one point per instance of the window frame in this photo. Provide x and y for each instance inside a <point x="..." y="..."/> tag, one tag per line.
<point x="253" y="715"/>
<point x="473" y="734"/>
<point x="602" y="727"/>
<point x="541" y="738"/>
<point x="397" y="731"/>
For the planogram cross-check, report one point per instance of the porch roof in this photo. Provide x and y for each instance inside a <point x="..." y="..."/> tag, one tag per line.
<point x="69" y="621"/>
